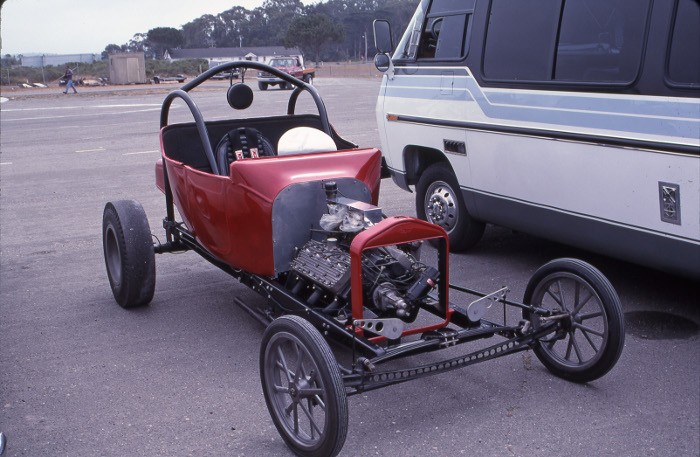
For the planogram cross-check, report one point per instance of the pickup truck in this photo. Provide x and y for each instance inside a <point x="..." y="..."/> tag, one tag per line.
<point x="292" y="65"/>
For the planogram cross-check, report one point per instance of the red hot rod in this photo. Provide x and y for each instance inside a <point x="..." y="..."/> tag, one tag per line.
<point x="289" y="208"/>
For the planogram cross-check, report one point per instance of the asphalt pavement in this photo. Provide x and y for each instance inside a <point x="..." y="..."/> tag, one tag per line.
<point x="80" y="376"/>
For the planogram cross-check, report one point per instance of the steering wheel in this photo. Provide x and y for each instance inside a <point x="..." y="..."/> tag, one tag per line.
<point x="435" y="29"/>
<point x="182" y="93"/>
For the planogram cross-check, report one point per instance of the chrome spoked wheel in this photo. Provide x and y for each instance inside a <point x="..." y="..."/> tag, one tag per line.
<point x="303" y="388"/>
<point x="589" y="335"/>
<point x="584" y="331"/>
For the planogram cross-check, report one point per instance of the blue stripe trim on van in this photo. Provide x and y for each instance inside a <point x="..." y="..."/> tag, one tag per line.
<point x="627" y="114"/>
<point x="556" y="134"/>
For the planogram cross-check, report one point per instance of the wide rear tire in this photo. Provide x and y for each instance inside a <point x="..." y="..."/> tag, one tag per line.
<point x="588" y="342"/>
<point x="303" y="388"/>
<point x="129" y="254"/>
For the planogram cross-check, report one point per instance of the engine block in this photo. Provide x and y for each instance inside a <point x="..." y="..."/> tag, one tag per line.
<point x="324" y="264"/>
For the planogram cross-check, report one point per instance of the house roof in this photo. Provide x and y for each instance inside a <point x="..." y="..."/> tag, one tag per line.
<point x="210" y="53"/>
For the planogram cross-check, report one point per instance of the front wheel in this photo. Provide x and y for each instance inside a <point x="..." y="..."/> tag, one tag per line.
<point x="303" y="388"/>
<point x="439" y="200"/>
<point x="590" y="333"/>
<point x="129" y="253"/>
<point x="262" y="86"/>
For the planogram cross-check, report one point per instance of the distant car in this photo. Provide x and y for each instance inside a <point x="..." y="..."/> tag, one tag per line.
<point x="179" y="78"/>
<point x="231" y="74"/>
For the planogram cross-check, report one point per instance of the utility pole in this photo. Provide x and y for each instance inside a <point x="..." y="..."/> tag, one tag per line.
<point x="366" y="45"/>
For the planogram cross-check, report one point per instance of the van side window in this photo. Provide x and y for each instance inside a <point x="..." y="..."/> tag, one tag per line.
<point x="601" y="40"/>
<point x="576" y="40"/>
<point x="520" y="39"/>
<point x="444" y="36"/>
<point x="684" y="53"/>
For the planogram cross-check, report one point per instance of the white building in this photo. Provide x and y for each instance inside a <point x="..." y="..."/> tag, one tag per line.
<point x="216" y="56"/>
<point x="57" y="59"/>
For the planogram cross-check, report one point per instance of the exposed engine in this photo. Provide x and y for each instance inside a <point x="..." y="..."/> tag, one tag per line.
<point x="395" y="282"/>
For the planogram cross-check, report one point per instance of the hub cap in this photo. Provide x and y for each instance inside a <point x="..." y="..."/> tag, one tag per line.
<point x="441" y="205"/>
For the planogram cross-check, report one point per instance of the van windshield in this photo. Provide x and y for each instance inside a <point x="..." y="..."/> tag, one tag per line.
<point x="408" y="46"/>
<point x="282" y="62"/>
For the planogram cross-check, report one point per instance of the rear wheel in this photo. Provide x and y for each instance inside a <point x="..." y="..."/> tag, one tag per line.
<point x="439" y="200"/>
<point x="303" y="388"/>
<point x="129" y="254"/>
<point x="588" y="340"/>
<point x="262" y="86"/>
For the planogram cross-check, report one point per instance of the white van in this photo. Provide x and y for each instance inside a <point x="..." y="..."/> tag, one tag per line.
<point x="577" y="121"/>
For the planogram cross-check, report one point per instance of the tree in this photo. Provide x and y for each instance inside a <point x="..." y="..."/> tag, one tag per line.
<point x="162" y="38"/>
<point x="199" y="33"/>
<point x="112" y="49"/>
<point x="269" y="25"/>
<point x="279" y="15"/>
<point x="313" y="33"/>
<point x="8" y="60"/>
<point x="136" y="43"/>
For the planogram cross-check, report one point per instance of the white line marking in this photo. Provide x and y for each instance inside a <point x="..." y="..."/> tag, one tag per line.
<point x="5" y="163"/>
<point x="80" y="107"/>
<point x="92" y="150"/>
<point x="142" y="152"/>
<point x="78" y="115"/>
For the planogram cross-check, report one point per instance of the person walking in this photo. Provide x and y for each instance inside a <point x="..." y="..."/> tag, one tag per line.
<point x="69" y="80"/>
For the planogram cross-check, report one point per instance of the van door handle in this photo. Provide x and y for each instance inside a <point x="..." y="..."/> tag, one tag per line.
<point x="447" y="82"/>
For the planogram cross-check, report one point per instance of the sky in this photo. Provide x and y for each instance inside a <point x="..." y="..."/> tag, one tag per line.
<point x="87" y="26"/>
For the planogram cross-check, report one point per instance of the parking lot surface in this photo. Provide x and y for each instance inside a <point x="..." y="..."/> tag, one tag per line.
<point x="79" y="376"/>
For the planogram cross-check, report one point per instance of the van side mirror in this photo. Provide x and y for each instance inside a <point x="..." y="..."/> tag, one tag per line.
<point x="382" y="62"/>
<point x="382" y="36"/>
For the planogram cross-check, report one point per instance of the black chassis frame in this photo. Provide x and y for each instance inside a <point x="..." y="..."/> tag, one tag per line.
<point x="362" y="376"/>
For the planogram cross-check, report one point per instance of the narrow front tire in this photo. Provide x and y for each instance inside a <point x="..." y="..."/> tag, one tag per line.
<point x="588" y="338"/>
<point x="303" y="388"/>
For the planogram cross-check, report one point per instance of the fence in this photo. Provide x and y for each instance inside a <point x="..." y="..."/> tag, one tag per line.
<point x="16" y="75"/>
<point x="342" y="69"/>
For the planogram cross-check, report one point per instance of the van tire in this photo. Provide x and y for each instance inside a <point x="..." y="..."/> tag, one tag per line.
<point x="439" y="200"/>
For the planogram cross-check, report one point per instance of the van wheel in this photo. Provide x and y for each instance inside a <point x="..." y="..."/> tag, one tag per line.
<point x="262" y="86"/>
<point x="438" y="200"/>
